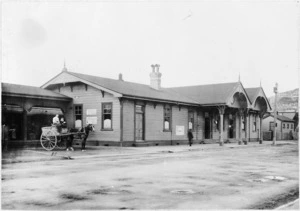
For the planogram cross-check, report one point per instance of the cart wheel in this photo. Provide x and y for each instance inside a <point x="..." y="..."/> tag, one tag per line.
<point x="61" y="142"/>
<point x="48" y="140"/>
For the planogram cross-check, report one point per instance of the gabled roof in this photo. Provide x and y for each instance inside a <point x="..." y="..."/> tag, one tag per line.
<point x="135" y="90"/>
<point x="252" y="93"/>
<point x="281" y="118"/>
<point x="30" y="91"/>
<point x="207" y="94"/>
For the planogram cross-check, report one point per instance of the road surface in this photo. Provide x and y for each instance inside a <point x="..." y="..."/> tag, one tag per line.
<point x="197" y="177"/>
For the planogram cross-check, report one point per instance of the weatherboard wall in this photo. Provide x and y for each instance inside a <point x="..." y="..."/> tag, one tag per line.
<point x="128" y="120"/>
<point x="92" y="98"/>
<point x="154" y="120"/>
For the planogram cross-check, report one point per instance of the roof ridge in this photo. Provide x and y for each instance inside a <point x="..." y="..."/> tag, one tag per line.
<point x="8" y="86"/>
<point x="108" y="78"/>
<point x="258" y="87"/>
<point x="23" y="85"/>
<point x="202" y="85"/>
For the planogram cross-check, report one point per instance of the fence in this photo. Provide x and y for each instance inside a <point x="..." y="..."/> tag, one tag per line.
<point x="268" y="135"/>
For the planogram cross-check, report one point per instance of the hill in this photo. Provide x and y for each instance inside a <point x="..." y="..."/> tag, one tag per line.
<point x="286" y="101"/>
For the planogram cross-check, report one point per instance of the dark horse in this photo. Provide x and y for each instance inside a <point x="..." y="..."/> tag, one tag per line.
<point x="86" y="130"/>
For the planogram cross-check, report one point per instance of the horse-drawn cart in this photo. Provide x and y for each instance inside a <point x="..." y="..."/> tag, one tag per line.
<point x="51" y="137"/>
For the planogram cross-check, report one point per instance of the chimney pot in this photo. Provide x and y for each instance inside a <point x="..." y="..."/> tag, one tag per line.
<point x="155" y="77"/>
<point x="153" y="67"/>
<point x="121" y="77"/>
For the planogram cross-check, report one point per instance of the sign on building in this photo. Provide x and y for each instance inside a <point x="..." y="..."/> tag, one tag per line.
<point x="91" y="120"/>
<point x="179" y="130"/>
<point x="91" y="111"/>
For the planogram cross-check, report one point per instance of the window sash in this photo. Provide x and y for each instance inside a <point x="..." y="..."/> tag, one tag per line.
<point x="191" y="120"/>
<point x="167" y="118"/>
<point x="78" y="112"/>
<point x="107" y="116"/>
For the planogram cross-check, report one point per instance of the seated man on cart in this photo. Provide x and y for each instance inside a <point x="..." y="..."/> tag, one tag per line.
<point x="56" y="122"/>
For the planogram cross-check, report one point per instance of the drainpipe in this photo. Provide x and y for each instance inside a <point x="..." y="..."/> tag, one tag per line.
<point x="260" y="129"/>
<point x="249" y="127"/>
<point x="240" y="126"/>
<point x="246" y="127"/>
<point x="121" y="122"/>
<point x="24" y="125"/>
<point x="275" y="113"/>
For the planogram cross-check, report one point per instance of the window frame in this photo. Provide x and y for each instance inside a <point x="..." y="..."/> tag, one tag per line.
<point x="81" y="105"/>
<point x="102" y="116"/>
<point x="170" y="118"/>
<point x="193" y="120"/>
<point x="271" y="126"/>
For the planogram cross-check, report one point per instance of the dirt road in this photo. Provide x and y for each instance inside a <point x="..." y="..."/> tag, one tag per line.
<point x="197" y="178"/>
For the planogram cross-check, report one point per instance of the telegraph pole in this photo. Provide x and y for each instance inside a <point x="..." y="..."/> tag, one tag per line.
<point x="275" y="113"/>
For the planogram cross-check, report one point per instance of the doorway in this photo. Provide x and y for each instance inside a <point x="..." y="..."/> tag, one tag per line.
<point x="139" y="123"/>
<point x="207" y="128"/>
<point x="231" y="128"/>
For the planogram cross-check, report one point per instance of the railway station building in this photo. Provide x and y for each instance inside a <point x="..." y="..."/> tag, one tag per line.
<point x="131" y="114"/>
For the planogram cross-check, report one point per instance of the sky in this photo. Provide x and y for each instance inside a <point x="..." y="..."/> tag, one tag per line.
<point x="194" y="42"/>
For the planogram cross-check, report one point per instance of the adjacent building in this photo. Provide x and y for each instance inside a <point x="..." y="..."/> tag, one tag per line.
<point x="25" y="109"/>
<point x="285" y="126"/>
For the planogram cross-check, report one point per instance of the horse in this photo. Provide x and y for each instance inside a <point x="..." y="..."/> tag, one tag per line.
<point x="86" y="130"/>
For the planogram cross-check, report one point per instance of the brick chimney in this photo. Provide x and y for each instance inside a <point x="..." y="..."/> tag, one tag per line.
<point x="155" y="76"/>
<point x="121" y="77"/>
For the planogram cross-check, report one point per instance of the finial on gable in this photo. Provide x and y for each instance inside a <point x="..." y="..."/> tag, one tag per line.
<point x="65" y="68"/>
<point x="239" y="77"/>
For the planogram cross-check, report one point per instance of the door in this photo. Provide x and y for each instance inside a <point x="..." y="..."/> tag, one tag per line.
<point x="139" y="123"/>
<point x="231" y="128"/>
<point x="207" y="128"/>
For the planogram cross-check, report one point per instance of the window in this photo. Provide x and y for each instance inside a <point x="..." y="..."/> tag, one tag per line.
<point x="292" y="126"/>
<point x="78" y="112"/>
<point x="287" y="126"/>
<point x="167" y="118"/>
<point x="271" y="126"/>
<point x="191" y="120"/>
<point x="107" y="116"/>
<point x="283" y="125"/>
<point x="78" y="116"/>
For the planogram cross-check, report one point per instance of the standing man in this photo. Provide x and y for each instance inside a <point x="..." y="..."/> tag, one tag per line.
<point x="190" y="136"/>
<point x="5" y="136"/>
